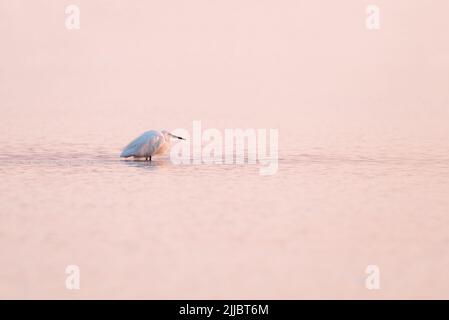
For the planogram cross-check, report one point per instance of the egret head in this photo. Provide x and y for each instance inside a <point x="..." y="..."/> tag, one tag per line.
<point x="169" y="135"/>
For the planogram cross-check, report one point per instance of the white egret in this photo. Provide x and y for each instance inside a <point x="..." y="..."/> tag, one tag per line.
<point x="148" y="144"/>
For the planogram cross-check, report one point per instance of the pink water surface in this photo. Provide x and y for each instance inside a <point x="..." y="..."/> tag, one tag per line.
<point x="363" y="173"/>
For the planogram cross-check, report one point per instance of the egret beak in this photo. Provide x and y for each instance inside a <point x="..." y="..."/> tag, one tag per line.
<point x="180" y="138"/>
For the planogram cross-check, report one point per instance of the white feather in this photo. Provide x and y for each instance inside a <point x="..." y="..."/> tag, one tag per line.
<point x="148" y="144"/>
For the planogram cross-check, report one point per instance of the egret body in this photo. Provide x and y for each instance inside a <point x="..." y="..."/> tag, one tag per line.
<point x="148" y="144"/>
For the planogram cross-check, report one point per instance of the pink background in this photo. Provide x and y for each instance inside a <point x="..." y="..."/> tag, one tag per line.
<point x="338" y="93"/>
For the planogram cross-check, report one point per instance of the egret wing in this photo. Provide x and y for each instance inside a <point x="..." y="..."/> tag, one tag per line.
<point x="143" y="146"/>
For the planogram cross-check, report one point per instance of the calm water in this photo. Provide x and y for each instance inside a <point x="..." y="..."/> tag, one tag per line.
<point x="363" y="173"/>
<point x="158" y="230"/>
